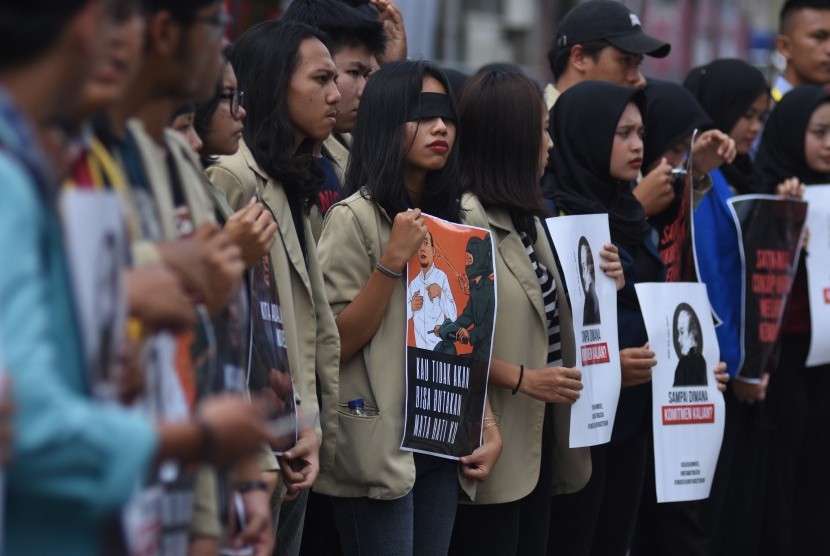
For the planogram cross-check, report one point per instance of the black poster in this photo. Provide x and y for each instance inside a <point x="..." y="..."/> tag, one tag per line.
<point x="268" y="370"/>
<point x="770" y="236"/>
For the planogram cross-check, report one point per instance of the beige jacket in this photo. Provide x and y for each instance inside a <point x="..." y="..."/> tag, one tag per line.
<point x="368" y="458"/>
<point x="521" y="338"/>
<point x="313" y="343"/>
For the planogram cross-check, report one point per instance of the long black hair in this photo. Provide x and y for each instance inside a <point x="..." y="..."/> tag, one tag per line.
<point x="502" y="114"/>
<point x="378" y="155"/>
<point x="265" y="59"/>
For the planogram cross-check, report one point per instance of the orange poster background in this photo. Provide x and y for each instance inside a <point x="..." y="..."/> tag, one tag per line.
<point x="450" y="245"/>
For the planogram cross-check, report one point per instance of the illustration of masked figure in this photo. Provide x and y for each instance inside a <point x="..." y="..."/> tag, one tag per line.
<point x="475" y="325"/>
<point x="688" y="343"/>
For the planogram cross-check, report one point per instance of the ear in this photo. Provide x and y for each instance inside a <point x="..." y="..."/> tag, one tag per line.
<point x="782" y="44"/>
<point x="163" y="34"/>
<point x="580" y="60"/>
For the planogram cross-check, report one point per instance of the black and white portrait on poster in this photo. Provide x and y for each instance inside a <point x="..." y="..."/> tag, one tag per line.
<point x="96" y="246"/>
<point x="687" y="408"/>
<point x="577" y="242"/>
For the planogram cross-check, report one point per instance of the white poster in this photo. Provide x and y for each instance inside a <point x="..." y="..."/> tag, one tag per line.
<point x="818" y="271"/>
<point x="688" y="410"/>
<point x="97" y="251"/>
<point x="578" y="241"/>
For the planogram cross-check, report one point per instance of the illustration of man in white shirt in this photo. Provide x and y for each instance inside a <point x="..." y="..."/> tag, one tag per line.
<point x="430" y="300"/>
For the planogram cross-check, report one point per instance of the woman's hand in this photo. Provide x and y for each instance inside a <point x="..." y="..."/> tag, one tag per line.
<point x="612" y="267"/>
<point x="656" y="190"/>
<point x="408" y="233"/>
<point x="750" y="392"/>
<point x="636" y="364"/>
<point x="711" y="149"/>
<point x="721" y="376"/>
<point x="791" y="187"/>
<point x="552" y="384"/>
<point x="478" y="465"/>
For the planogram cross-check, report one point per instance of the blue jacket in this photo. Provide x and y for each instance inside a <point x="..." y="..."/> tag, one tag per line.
<point x="75" y="461"/>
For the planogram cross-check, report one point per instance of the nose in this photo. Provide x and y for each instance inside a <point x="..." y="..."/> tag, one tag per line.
<point x="439" y="126"/>
<point x="548" y="141"/>
<point x="637" y="144"/>
<point x="334" y="94"/>
<point x="637" y="79"/>
<point x="241" y="113"/>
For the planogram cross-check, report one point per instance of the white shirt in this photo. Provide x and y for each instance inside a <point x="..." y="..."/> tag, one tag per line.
<point x="434" y="311"/>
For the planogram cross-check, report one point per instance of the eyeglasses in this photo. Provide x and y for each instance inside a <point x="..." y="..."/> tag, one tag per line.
<point x="235" y="98"/>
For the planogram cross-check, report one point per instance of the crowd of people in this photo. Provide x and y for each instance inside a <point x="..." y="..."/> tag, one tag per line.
<point x="264" y="199"/>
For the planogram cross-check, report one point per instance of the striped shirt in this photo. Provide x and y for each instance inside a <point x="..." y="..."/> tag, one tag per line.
<point x="549" y="298"/>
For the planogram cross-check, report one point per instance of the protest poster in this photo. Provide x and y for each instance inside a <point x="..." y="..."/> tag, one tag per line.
<point x="770" y="230"/>
<point x="269" y="373"/>
<point x="688" y="411"/>
<point x="96" y="246"/>
<point x="675" y="237"/>
<point x="4" y="397"/>
<point x="818" y="271"/>
<point x="451" y="312"/>
<point x="577" y="241"/>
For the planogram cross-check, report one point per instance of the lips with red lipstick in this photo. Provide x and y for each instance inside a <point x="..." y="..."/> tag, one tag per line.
<point x="440" y="146"/>
<point x="635" y="162"/>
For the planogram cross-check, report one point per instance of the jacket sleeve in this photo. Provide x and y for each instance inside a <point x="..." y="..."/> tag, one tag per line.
<point x="65" y="446"/>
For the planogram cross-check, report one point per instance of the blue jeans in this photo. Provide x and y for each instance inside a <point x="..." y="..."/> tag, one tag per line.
<point x="418" y="524"/>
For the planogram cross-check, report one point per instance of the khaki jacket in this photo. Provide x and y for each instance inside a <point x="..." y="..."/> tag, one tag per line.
<point x="368" y="459"/>
<point x="521" y="338"/>
<point x="313" y="343"/>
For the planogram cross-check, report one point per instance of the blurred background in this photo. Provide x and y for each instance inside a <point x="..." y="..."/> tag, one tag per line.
<point x="466" y="34"/>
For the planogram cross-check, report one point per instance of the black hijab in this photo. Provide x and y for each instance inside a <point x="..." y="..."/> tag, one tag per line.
<point x="672" y="115"/>
<point x="726" y="89"/>
<point x="583" y="122"/>
<point x="781" y="154"/>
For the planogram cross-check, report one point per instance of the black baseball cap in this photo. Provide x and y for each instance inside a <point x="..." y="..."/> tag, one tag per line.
<point x="612" y="22"/>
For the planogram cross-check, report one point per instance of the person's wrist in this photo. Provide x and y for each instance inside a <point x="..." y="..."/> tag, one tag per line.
<point x="393" y="262"/>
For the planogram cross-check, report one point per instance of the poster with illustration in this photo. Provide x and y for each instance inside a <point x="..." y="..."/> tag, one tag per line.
<point x="269" y="373"/>
<point x="577" y="241"/>
<point x="451" y="312"/>
<point x="687" y="409"/>
<point x="818" y="271"/>
<point x="97" y="250"/>
<point x="770" y="231"/>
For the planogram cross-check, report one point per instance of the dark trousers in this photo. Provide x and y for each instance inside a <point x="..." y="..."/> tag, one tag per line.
<point x="735" y="508"/>
<point x="320" y="536"/>
<point x="796" y="510"/>
<point x="519" y="527"/>
<point x="670" y="528"/>
<point x="599" y="520"/>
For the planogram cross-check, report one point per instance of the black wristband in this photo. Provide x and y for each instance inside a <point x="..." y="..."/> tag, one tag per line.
<point x="521" y="376"/>
<point x="248" y="486"/>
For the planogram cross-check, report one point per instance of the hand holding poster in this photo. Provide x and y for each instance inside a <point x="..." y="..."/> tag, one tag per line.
<point x="578" y="241"/>
<point x="770" y="239"/>
<point x="818" y="271"/>
<point x="451" y="310"/>
<point x="688" y="410"/>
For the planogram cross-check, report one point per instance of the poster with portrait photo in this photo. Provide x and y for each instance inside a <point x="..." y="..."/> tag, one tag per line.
<point x="97" y="250"/>
<point x="451" y="315"/>
<point x="577" y="241"/>
<point x="770" y="235"/>
<point x="818" y="271"/>
<point x="269" y="372"/>
<point x="688" y="411"/>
